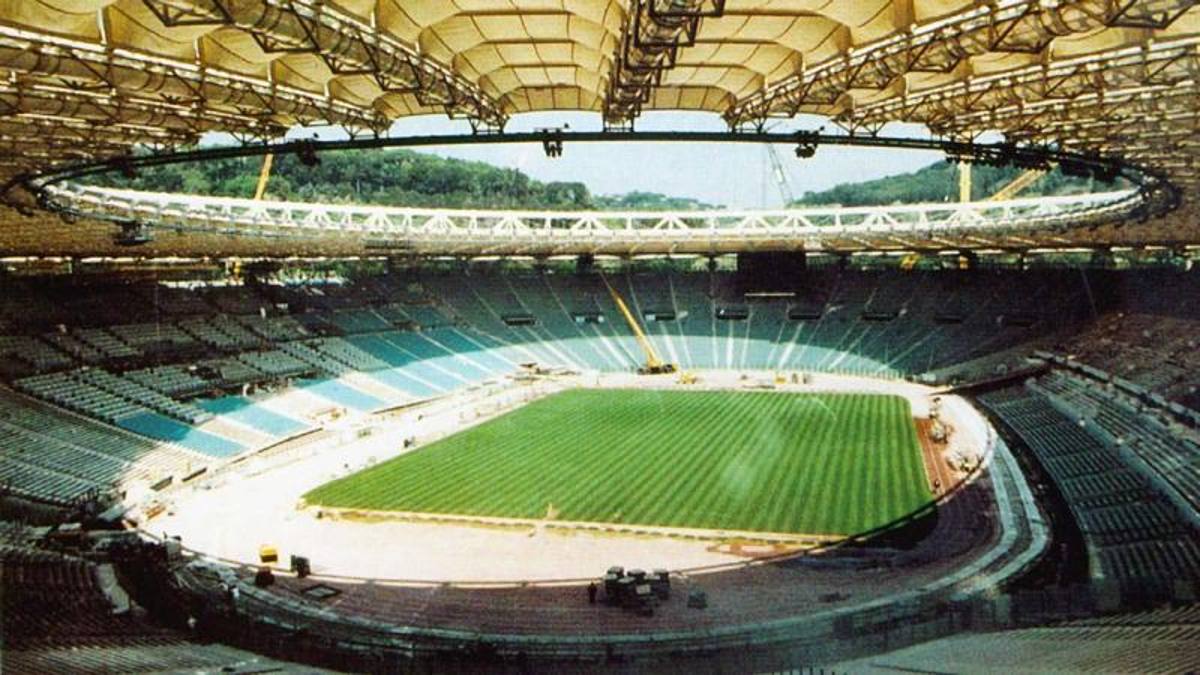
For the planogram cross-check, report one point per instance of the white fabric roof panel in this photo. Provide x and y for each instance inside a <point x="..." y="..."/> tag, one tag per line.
<point x="177" y="68"/>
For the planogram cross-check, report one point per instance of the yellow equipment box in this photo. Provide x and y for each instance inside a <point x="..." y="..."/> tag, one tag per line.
<point x="268" y="554"/>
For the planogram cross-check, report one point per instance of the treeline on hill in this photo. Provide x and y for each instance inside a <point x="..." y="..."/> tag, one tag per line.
<point x="939" y="183"/>
<point x="390" y="178"/>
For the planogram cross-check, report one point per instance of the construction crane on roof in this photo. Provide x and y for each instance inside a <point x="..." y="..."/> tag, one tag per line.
<point x="781" y="177"/>
<point x="654" y="365"/>
<point x="779" y="173"/>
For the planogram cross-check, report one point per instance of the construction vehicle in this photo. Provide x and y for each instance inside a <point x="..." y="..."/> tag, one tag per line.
<point x="688" y="378"/>
<point x="654" y="365"/>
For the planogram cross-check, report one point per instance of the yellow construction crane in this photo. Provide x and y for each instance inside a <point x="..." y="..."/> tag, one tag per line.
<point x="264" y="175"/>
<point x="654" y="365"/>
<point x="1022" y="181"/>
<point x="1027" y="178"/>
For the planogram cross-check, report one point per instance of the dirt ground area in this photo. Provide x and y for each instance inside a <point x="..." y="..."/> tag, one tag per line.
<point x="232" y="514"/>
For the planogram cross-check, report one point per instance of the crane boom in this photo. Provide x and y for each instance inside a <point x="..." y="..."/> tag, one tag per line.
<point x="1017" y="184"/>
<point x="264" y="175"/>
<point x="654" y="365"/>
<point x="781" y="179"/>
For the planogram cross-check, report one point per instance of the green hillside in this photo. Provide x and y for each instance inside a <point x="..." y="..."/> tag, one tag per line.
<point x="390" y="178"/>
<point x="938" y="182"/>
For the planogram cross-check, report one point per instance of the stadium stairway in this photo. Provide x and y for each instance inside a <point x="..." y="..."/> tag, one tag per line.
<point x="572" y="334"/>
<point x="457" y="342"/>
<point x="377" y="387"/>
<point x="298" y="404"/>
<point x="1131" y="530"/>
<point x="1110" y="649"/>
<point x="398" y="376"/>
<point x="341" y="394"/>
<point x="153" y="425"/>
<point x="433" y="371"/>
<point x="50" y="439"/>
<point x="57" y="617"/>
<point x="252" y="414"/>
<point x="238" y="432"/>
<point x="368" y="359"/>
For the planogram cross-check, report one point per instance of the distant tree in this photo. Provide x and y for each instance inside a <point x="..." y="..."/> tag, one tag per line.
<point x="649" y="201"/>
<point x="939" y="183"/>
<point x="387" y="177"/>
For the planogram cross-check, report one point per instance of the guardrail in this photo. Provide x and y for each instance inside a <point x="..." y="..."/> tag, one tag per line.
<point x="483" y="231"/>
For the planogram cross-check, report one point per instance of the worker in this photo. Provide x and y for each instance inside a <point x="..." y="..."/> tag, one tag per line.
<point x="592" y="593"/>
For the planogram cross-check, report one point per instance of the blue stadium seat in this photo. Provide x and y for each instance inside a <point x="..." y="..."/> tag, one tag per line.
<point x="248" y="412"/>
<point x="343" y="394"/>
<point x="164" y="428"/>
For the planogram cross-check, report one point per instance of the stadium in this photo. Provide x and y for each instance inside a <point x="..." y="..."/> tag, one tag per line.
<point x="287" y="384"/>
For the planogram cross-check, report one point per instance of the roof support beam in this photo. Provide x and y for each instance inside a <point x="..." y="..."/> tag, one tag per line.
<point x="654" y="33"/>
<point x="940" y="46"/>
<point x="347" y="45"/>
<point x="71" y="63"/>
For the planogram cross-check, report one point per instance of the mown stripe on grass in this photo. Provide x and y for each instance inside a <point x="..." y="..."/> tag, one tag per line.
<point x="815" y="463"/>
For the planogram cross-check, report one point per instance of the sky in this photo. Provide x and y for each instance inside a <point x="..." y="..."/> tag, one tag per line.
<point x="733" y="175"/>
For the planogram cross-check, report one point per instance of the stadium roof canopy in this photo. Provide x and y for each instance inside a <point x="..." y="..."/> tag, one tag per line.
<point x="90" y="78"/>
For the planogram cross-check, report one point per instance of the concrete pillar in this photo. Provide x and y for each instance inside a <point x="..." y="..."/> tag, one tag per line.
<point x="585" y="263"/>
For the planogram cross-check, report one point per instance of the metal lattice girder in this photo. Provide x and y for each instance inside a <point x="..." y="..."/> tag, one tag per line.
<point x="257" y="67"/>
<point x="1059" y="101"/>
<point x="347" y="45"/>
<point x="1155" y="14"/>
<point x="438" y="231"/>
<point x="653" y="36"/>
<point x="956" y="107"/>
<point x="189" y="12"/>
<point x="82" y="133"/>
<point x="85" y="66"/>
<point x="1173" y="162"/>
<point x="1156" y="121"/>
<point x="64" y="148"/>
<point x="941" y="45"/>
<point x="104" y="107"/>
<point x="1029" y="119"/>
<point x="1121" y="130"/>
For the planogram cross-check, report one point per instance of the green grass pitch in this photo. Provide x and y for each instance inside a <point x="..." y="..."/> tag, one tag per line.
<point x="762" y="461"/>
